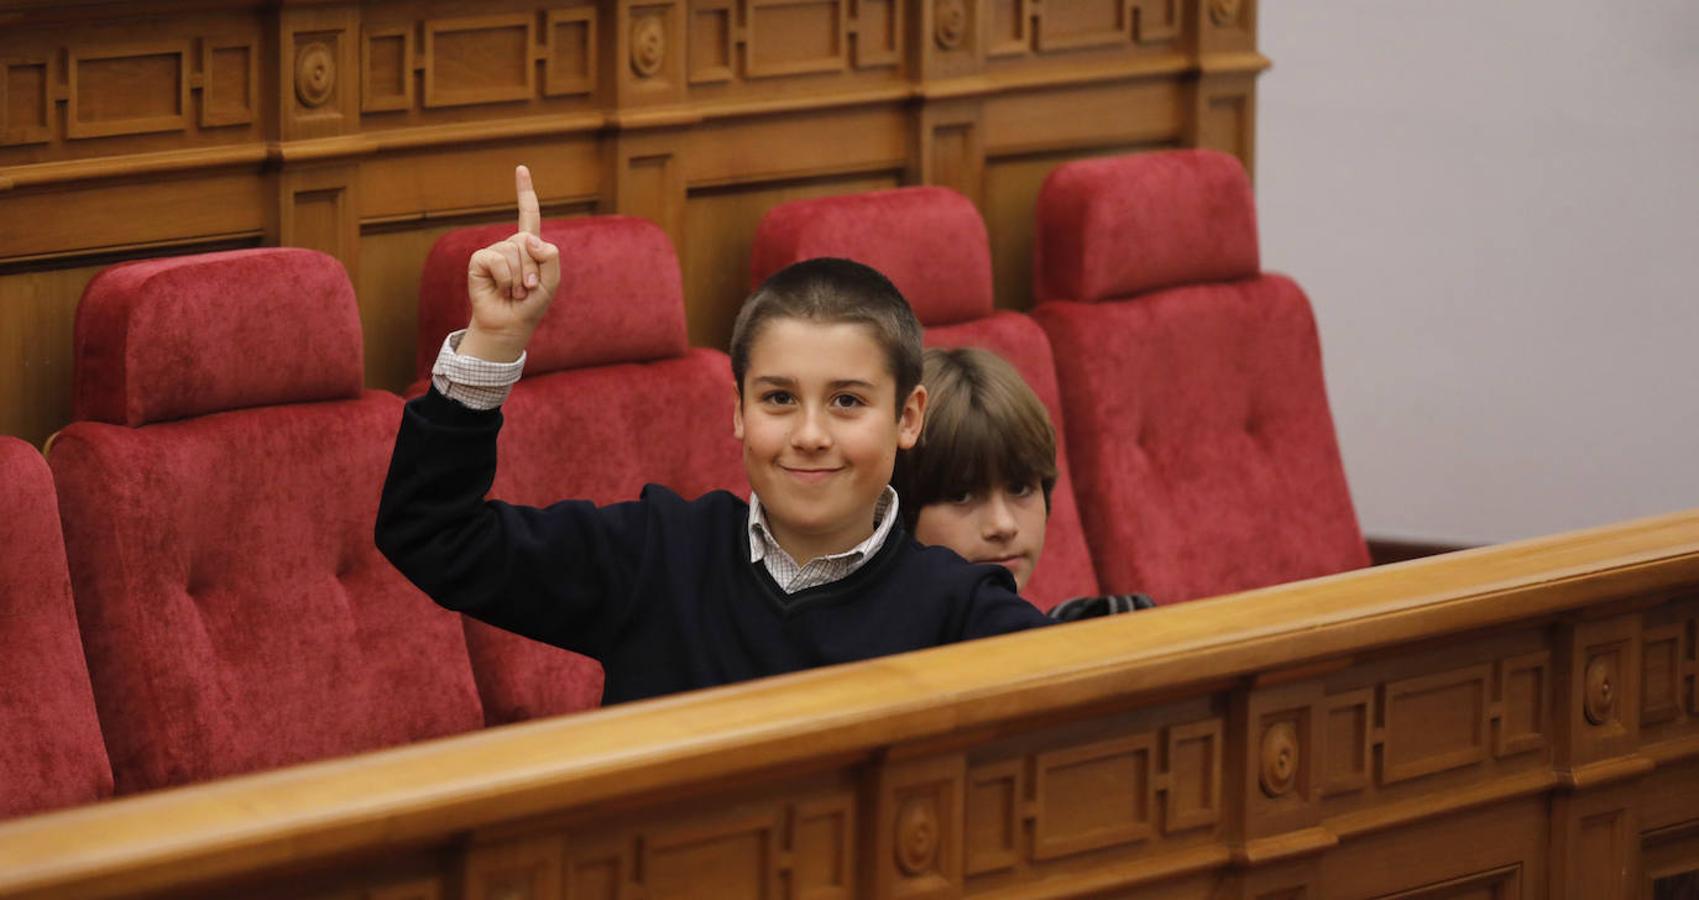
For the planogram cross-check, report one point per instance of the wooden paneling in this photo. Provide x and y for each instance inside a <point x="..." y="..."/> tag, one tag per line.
<point x="37" y="310"/>
<point x="133" y="129"/>
<point x="1423" y="731"/>
<point x="721" y="224"/>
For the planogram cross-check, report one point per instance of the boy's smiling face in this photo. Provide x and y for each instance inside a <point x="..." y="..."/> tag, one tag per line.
<point x="820" y="429"/>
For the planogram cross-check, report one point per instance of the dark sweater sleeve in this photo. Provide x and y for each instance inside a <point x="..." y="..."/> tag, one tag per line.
<point x="995" y="609"/>
<point x="561" y="574"/>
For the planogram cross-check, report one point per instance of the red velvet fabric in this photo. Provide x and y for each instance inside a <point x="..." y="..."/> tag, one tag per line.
<point x="1065" y="568"/>
<point x="1123" y="225"/>
<point x="621" y="297"/>
<point x="163" y="339"/>
<point x="929" y="241"/>
<point x="612" y="399"/>
<point x="1198" y="426"/>
<point x="51" y="753"/>
<point x="235" y="612"/>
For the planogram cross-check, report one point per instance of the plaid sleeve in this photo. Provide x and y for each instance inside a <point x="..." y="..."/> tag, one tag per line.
<point x="470" y="381"/>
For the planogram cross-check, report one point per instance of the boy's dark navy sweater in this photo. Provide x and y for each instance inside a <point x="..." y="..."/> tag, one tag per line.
<point x="661" y="589"/>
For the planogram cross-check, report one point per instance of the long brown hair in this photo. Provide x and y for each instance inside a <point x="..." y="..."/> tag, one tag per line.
<point x="984" y="426"/>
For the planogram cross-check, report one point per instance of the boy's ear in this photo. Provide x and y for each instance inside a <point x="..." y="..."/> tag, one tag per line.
<point x="737" y="414"/>
<point x="912" y="418"/>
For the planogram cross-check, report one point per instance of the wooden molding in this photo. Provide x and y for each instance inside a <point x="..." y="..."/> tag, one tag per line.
<point x="1115" y="735"/>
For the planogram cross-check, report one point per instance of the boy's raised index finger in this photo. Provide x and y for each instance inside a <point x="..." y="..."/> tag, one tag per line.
<point x="530" y="216"/>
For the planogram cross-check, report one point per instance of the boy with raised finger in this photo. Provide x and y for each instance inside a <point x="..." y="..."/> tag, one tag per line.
<point x="672" y="593"/>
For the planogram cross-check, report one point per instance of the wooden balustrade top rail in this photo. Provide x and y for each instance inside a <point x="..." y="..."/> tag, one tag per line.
<point x="432" y="792"/>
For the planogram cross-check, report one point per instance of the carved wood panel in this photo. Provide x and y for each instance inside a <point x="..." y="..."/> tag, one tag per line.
<point x="170" y="103"/>
<point x="799" y="845"/>
<point x="1018" y="28"/>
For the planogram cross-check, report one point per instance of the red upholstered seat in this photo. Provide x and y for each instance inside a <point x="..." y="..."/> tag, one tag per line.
<point x="1198" y="422"/>
<point x="931" y="243"/>
<point x="51" y="753"/>
<point x="219" y="489"/>
<point x="613" y="398"/>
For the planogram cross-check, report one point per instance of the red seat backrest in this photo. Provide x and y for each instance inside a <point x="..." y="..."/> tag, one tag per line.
<point x="613" y="398"/>
<point x="1198" y="422"/>
<point x="219" y="490"/>
<point x="51" y="754"/>
<point x="931" y="243"/>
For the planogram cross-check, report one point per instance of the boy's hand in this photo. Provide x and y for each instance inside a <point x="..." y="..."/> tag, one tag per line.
<point x="511" y="283"/>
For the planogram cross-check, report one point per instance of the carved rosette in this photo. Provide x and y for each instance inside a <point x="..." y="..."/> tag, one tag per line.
<point x="648" y="45"/>
<point x="917" y="836"/>
<point x="1224" y="12"/>
<point x="315" y="74"/>
<point x="1599" y="701"/>
<point x="1279" y="759"/>
<point x="950" y="23"/>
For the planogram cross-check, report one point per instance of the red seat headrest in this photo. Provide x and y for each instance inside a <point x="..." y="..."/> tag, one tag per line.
<point x="161" y="339"/>
<point x="930" y="241"/>
<point x="1126" y="225"/>
<point x="621" y="297"/>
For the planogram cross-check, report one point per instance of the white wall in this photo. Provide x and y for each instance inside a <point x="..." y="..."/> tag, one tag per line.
<point x="1494" y="208"/>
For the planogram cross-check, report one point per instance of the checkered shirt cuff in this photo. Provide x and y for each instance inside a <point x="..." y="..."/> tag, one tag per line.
<point x="470" y="381"/>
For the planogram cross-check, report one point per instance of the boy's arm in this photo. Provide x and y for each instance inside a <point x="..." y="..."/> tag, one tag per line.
<point x="560" y="574"/>
<point x="553" y="574"/>
<point x="995" y="609"/>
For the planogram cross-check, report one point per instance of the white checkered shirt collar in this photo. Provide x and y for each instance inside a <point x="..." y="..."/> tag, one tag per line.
<point x="793" y="577"/>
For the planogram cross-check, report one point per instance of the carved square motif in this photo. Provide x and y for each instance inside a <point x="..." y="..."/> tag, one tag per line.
<point x="1098" y="795"/>
<point x="597" y="869"/>
<point x="740" y="850"/>
<point x="1083" y="23"/>
<point x="654" y="44"/>
<point x="1524" y="703"/>
<point x="712" y="33"/>
<point x="386" y="70"/>
<point x="1660" y="661"/>
<point x="795" y="37"/>
<point x="1603" y="682"/>
<point x="25" y="101"/>
<point x="919" y="849"/>
<point x="1156" y="21"/>
<point x="314" y="63"/>
<point x="525" y="868"/>
<point x="1434" y="723"/>
<point x="1346" y="743"/>
<point x="133" y="89"/>
<point x="1194" y="776"/>
<point x="878" y="33"/>
<point x="995" y="796"/>
<point x="1011" y="34"/>
<point x="570" y="66"/>
<point x="822" y="845"/>
<point x="231" y="77"/>
<point x="479" y="59"/>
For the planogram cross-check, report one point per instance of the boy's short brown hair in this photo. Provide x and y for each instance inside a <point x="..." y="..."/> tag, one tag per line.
<point x="831" y="290"/>
<point x="984" y="426"/>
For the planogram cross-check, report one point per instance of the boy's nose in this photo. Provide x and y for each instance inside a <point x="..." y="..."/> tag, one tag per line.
<point x="998" y="522"/>
<point x="811" y="433"/>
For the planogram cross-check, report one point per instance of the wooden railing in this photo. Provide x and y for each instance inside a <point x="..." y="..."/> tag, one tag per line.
<point x="367" y="129"/>
<point x="1515" y="721"/>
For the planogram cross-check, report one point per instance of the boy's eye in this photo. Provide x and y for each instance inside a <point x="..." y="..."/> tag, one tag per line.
<point x="777" y="398"/>
<point x="847" y="401"/>
<point x="1022" y="489"/>
<point x="960" y="498"/>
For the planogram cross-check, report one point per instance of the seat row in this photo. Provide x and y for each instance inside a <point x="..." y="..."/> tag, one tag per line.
<point x="195" y="592"/>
